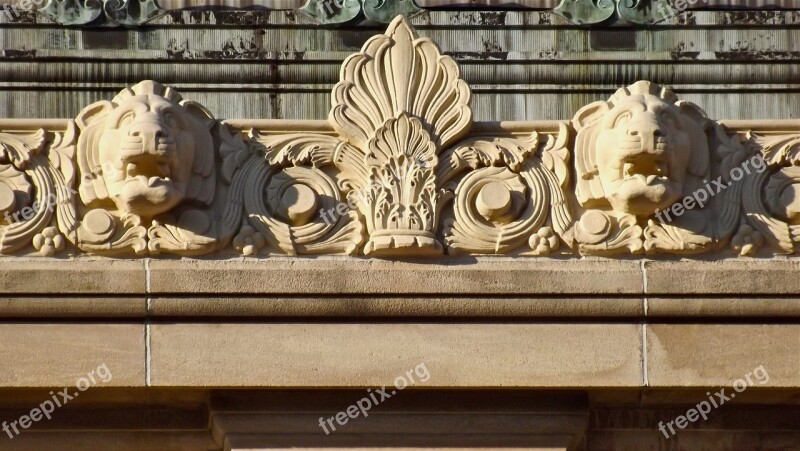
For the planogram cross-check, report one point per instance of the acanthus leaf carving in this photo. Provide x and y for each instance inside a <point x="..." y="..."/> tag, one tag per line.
<point x="33" y="188"/>
<point x="770" y="197"/>
<point x="399" y="103"/>
<point x="397" y="73"/>
<point x="503" y="205"/>
<point x="294" y="206"/>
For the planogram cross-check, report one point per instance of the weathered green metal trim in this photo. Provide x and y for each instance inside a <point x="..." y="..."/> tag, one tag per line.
<point x="640" y="12"/>
<point x="131" y="12"/>
<point x="645" y="12"/>
<point x="384" y="11"/>
<point x="337" y="12"/>
<point x="73" y="12"/>
<point x="102" y="12"/>
<point x="332" y="12"/>
<point x="586" y="12"/>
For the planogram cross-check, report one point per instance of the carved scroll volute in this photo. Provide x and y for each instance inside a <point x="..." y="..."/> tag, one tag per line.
<point x="502" y="203"/>
<point x="399" y="103"/>
<point x="770" y="195"/>
<point x="36" y="173"/>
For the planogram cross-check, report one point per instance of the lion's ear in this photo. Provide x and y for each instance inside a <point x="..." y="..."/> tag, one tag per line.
<point x="694" y="112"/>
<point x="200" y="113"/>
<point x="699" y="158"/>
<point x="93" y="113"/>
<point x="202" y="184"/>
<point x="589" y="114"/>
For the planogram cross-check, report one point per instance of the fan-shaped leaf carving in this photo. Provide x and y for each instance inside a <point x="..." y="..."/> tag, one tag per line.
<point x="400" y="73"/>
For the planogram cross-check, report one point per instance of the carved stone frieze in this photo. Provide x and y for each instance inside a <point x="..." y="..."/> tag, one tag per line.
<point x="398" y="169"/>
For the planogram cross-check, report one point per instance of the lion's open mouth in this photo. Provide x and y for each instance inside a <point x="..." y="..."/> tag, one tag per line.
<point x="150" y="182"/>
<point x="647" y="174"/>
<point x="647" y="165"/>
<point x="149" y="169"/>
<point x="148" y="173"/>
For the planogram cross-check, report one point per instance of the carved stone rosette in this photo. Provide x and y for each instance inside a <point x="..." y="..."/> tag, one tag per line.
<point x="398" y="169"/>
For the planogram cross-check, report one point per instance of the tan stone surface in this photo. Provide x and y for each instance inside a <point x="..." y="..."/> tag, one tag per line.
<point x="750" y="277"/>
<point x="723" y="307"/>
<point x="71" y="276"/>
<point x="70" y="307"/>
<point x="56" y="355"/>
<point x="360" y="276"/>
<point x="370" y="306"/>
<point x="359" y="355"/>
<point x="711" y="355"/>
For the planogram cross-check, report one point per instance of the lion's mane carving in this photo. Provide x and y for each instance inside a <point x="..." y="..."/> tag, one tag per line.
<point x="635" y="152"/>
<point x="146" y="150"/>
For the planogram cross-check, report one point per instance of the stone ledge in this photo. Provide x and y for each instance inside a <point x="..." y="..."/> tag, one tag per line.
<point x="485" y="276"/>
<point x="742" y="277"/>
<point x="374" y="306"/>
<point x="84" y="276"/>
<point x="368" y="355"/>
<point x="734" y="307"/>
<point x="387" y="306"/>
<point x="91" y="306"/>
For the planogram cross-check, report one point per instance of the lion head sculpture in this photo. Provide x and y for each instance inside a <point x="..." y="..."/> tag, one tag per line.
<point x="635" y="152"/>
<point x="146" y="150"/>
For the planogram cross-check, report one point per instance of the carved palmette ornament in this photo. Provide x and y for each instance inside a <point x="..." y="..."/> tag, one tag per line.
<point x="400" y="112"/>
<point x="398" y="105"/>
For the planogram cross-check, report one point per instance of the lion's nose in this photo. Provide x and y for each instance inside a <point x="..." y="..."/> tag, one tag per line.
<point x="148" y="131"/>
<point x="648" y="133"/>
<point x="645" y="129"/>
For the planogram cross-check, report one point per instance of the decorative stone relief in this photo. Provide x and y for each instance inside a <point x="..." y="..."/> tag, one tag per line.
<point x="147" y="163"/>
<point x="398" y="169"/>
<point x="639" y="153"/>
<point x="34" y="187"/>
<point x="772" y="198"/>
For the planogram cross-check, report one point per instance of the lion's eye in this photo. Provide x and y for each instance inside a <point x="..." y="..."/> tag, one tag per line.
<point x="126" y="119"/>
<point x="623" y="120"/>
<point x="171" y="120"/>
